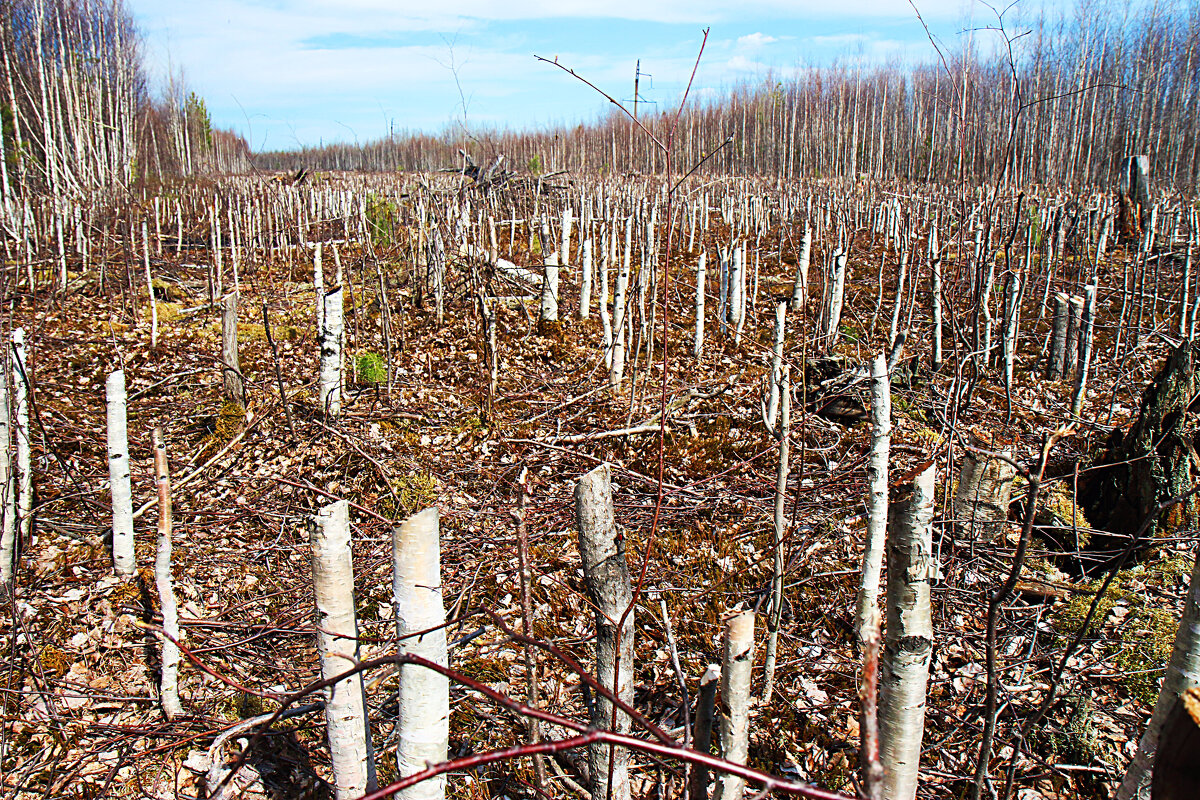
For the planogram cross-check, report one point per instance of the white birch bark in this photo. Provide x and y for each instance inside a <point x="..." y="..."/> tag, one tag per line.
<point x="800" y="290"/>
<point x="1086" y="335"/>
<point x="836" y="295"/>
<point x="611" y="593"/>
<point x="330" y="385"/>
<point x="1012" y="322"/>
<point x="736" y="663"/>
<point x="1058" y="336"/>
<point x="701" y="274"/>
<point x="737" y="280"/>
<point x="723" y="313"/>
<point x="772" y="404"/>
<point x="1187" y="276"/>
<point x="897" y="307"/>
<point x="8" y="498"/>
<point x="564" y="253"/>
<point x="983" y="494"/>
<point x="779" y="529"/>
<point x="1074" y="330"/>
<point x="877" y="495"/>
<point x="935" y="294"/>
<point x="549" y="302"/>
<point x="319" y="287"/>
<point x="22" y="436"/>
<point x="424" y="695"/>
<point x="118" y="475"/>
<point x="908" y="644"/>
<point x="608" y="244"/>
<point x="150" y="291"/>
<point x="585" y="287"/>
<point x="1183" y="672"/>
<point x="337" y="641"/>
<point x="620" y="301"/>
<point x="163" y="581"/>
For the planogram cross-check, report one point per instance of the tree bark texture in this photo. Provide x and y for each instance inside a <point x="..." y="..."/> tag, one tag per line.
<point x="983" y="494"/>
<point x="332" y="326"/>
<point x="118" y="475"/>
<point x="424" y="696"/>
<point x="602" y="549"/>
<point x="908" y="644"/>
<point x="877" y="495"/>
<point x="231" y="374"/>
<point x="337" y="641"/>
<point x="736" y="664"/>
<point x="164" y="582"/>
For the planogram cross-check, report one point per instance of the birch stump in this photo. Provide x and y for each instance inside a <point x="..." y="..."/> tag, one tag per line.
<point x="698" y="340"/>
<point x="877" y="495"/>
<point x="800" y="288"/>
<point x="337" y="641"/>
<point x="983" y="494"/>
<point x="118" y="475"/>
<point x="8" y="499"/>
<point x="231" y="374"/>
<point x="702" y="728"/>
<point x="737" y="661"/>
<point x="330" y="381"/>
<point x="833" y="318"/>
<point x="424" y="695"/>
<point x="611" y="593"/>
<point x="21" y="433"/>
<point x="908" y="645"/>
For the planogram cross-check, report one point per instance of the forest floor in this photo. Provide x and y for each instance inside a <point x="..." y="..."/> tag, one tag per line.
<point x="81" y="716"/>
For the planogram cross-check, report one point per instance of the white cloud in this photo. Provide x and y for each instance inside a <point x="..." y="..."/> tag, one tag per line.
<point x="295" y="65"/>
<point x="756" y="40"/>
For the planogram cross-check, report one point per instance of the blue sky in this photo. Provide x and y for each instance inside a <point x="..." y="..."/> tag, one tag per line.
<point x="301" y="72"/>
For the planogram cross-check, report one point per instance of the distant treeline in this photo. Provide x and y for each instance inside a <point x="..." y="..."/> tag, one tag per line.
<point x="78" y="115"/>
<point x="1102" y="83"/>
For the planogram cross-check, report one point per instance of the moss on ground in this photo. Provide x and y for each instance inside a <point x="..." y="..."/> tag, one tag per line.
<point x="1142" y="636"/>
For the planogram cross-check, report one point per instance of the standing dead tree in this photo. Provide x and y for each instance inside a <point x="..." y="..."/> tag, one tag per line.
<point x="602" y="549"/>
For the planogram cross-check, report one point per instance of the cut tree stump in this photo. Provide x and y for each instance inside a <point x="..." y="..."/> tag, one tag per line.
<point x="1154" y="459"/>
<point x="1133" y="197"/>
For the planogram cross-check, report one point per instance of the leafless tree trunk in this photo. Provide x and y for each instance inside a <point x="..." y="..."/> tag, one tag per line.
<point x="118" y="475"/>
<point x="424" y="695"/>
<point x="169" y="686"/>
<point x="908" y="645"/>
<point x="21" y="389"/>
<point x="698" y="341"/>
<point x="231" y="374"/>
<point x="330" y="387"/>
<point x="800" y="289"/>
<point x="337" y="641"/>
<point x="611" y="592"/>
<point x="736" y="664"/>
<point x="833" y="318"/>
<point x="702" y="728"/>
<point x="8" y="497"/>
<point x="1086" y="335"/>
<point x="877" y="495"/>
<point x="779" y="528"/>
